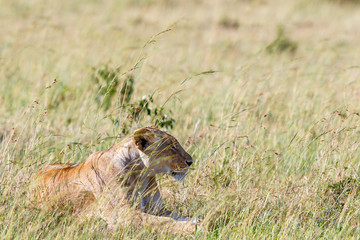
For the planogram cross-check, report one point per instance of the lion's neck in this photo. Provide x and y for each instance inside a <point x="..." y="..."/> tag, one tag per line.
<point x="127" y="157"/>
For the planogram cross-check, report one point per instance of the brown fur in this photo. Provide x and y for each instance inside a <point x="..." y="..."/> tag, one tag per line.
<point x="119" y="178"/>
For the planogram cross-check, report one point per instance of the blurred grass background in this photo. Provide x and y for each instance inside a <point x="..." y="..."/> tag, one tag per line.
<point x="273" y="126"/>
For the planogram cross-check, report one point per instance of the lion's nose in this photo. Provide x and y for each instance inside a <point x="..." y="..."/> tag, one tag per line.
<point x="189" y="162"/>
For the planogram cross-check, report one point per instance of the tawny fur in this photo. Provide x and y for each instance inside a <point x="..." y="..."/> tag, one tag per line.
<point x="120" y="178"/>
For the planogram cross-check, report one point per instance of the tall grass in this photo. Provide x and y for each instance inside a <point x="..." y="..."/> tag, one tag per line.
<point x="274" y="137"/>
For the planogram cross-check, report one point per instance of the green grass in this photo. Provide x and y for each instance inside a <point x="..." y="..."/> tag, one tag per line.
<point x="274" y="137"/>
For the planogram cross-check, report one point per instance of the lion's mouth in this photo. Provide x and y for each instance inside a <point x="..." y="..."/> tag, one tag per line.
<point x="179" y="175"/>
<point x="176" y="172"/>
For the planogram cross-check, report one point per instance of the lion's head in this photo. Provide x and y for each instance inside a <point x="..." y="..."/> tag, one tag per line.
<point x="161" y="152"/>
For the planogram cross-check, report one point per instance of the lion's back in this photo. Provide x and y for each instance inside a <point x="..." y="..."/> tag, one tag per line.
<point x="55" y="184"/>
<point x="54" y="181"/>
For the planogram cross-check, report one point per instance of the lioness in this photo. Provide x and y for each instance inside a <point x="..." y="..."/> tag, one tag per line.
<point x="121" y="177"/>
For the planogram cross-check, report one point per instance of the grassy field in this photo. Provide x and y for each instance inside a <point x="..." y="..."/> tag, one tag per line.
<point x="264" y="94"/>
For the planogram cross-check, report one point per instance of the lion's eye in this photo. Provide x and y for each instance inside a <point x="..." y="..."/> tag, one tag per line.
<point x="173" y="148"/>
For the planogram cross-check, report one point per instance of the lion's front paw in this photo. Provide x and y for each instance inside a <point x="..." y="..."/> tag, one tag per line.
<point x="196" y="220"/>
<point x="186" y="227"/>
<point x="187" y="219"/>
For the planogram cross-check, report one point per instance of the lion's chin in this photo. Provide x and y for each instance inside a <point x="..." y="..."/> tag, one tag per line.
<point x="179" y="176"/>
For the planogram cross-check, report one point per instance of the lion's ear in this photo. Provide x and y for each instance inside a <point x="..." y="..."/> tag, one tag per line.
<point x="143" y="138"/>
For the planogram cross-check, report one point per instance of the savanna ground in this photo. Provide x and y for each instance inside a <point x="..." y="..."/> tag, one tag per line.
<point x="263" y="94"/>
